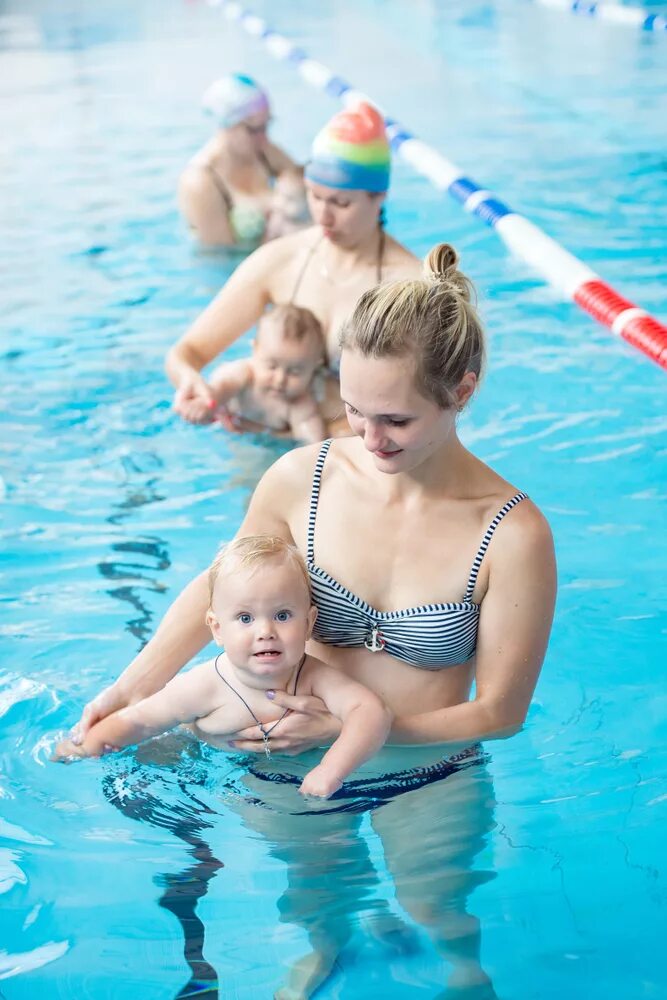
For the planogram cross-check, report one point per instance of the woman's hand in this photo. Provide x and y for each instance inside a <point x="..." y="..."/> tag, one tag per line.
<point x="309" y="724"/>
<point x="194" y="400"/>
<point x="107" y="701"/>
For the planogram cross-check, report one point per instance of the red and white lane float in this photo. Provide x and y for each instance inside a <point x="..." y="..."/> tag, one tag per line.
<point x="563" y="270"/>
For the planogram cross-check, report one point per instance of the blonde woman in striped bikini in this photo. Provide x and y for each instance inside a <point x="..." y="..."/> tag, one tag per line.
<point x="429" y="571"/>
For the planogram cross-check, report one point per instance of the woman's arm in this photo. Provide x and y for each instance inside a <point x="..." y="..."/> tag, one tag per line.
<point x="183" y="631"/>
<point x="514" y="626"/>
<point x="280" y="161"/>
<point x="515" y="622"/>
<point x="184" y="699"/>
<point x="236" y="308"/>
<point x="203" y="207"/>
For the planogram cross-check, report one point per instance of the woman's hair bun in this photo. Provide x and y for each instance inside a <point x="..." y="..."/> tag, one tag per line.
<point x="441" y="262"/>
<point x="441" y="265"/>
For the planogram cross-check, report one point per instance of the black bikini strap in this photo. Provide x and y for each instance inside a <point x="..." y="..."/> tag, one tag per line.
<point x="488" y="535"/>
<point x="314" y="497"/>
<point x="298" y="673"/>
<point x="304" y="267"/>
<point x="266" y="163"/>
<point x="380" y="260"/>
<point x="220" y="186"/>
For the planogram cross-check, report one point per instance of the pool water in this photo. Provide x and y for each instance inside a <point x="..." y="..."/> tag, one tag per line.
<point x="110" y="871"/>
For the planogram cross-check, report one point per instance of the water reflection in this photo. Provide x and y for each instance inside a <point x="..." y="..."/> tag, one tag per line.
<point x="431" y="823"/>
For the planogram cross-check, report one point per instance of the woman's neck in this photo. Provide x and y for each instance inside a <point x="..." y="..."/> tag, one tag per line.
<point x="365" y="253"/>
<point x="447" y="471"/>
<point x="224" y="152"/>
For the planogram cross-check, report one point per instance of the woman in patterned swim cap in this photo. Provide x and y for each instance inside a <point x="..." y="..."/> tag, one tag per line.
<point x="324" y="268"/>
<point x="225" y="192"/>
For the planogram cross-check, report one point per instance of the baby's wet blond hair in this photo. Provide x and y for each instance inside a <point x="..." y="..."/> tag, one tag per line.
<point x="250" y="552"/>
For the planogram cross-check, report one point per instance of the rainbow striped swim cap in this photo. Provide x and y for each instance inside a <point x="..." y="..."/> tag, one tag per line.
<point x="233" y="98"/>
<point x="352" y="152"/>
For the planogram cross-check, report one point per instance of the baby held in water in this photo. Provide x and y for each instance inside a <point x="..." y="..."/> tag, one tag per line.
<point x="273" y="389"/>
<point x="261" y="612"/>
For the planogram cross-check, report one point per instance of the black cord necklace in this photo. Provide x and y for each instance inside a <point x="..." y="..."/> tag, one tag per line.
<point x="266" y="733"/>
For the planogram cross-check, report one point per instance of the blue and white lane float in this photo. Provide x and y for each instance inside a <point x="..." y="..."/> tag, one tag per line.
<point x="634" y="17"/>
<point x="563" y="270"/>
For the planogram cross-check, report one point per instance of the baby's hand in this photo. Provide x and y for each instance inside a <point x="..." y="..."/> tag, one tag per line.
<point x="67" y="751"/>
<point x="320" y="783"/>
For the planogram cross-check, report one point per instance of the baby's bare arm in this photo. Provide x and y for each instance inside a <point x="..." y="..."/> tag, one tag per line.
<point x="229" y="379"/>
<point x="306" y="422"/>
<point x="185" y="698"/>
<point x="366" y="724"/>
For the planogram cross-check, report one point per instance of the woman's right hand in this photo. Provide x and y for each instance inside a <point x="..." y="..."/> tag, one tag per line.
<point x="194" y="400"/>
<point x="107" y="701"/>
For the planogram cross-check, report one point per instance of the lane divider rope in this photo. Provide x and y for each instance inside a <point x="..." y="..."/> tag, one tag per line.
<point x="562" y="270"/>
<point x="616" y="14"/>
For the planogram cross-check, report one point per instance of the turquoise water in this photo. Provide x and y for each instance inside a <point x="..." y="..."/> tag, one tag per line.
<point x="110" y="505"/>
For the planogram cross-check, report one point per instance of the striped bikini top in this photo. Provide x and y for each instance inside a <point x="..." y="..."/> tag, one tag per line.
<point x="430" y="636"/>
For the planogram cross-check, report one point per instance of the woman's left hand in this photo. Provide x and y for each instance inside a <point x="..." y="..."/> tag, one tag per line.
<point x="309" y="724"/>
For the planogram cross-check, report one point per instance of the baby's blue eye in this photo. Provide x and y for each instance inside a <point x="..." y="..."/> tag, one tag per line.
<point x="283" y="616"/>
<point x="244" y="618"/>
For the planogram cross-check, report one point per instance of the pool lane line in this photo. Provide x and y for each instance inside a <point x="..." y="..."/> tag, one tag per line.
<point x="635" y="17"/>
<point x="563" y="270"/>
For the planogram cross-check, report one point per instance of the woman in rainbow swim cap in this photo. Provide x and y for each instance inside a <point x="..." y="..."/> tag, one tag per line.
<point x="225" y="192"/>
<point x="324" y="268"/>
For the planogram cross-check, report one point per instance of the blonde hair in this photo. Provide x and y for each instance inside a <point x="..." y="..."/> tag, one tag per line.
<point x="431" y="319"/>
<point x="297" y="323"/>
<point x="251" y="552"/>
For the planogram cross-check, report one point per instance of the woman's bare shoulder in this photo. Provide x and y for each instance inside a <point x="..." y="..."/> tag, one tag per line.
<point x="279" y="254"/>
<point x="293" y="471"/>
<point x="399" y="261"/>
<point x="523" y="535"/>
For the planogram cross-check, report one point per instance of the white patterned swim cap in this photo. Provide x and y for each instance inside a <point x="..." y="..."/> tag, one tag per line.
<point x="233" y="98"/>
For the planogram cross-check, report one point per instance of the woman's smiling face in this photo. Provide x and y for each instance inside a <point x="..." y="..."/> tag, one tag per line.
<point x="398" y="425"/>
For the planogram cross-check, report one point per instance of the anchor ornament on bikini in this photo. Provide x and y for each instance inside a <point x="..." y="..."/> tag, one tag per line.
<point x="375" y="641"/>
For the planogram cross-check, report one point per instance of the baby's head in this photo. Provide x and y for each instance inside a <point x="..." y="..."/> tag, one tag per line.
<point x="289" y="197"/>
<point x="260" y="605"/>
<point x="287" y="351"/>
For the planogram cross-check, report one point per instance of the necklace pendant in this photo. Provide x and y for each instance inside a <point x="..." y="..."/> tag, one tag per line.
<point x="267" y="748"/>
<point x="376" y="641"/>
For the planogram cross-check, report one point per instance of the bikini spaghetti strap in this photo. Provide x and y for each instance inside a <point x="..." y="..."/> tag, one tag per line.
<point x="380" y="258"/>
<point x="314" y="497"/>
<point x="303" y="270"/>
<point x="486" y="540"/>
<point x="379" y="264"/>
<point x="220" y="186"/>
